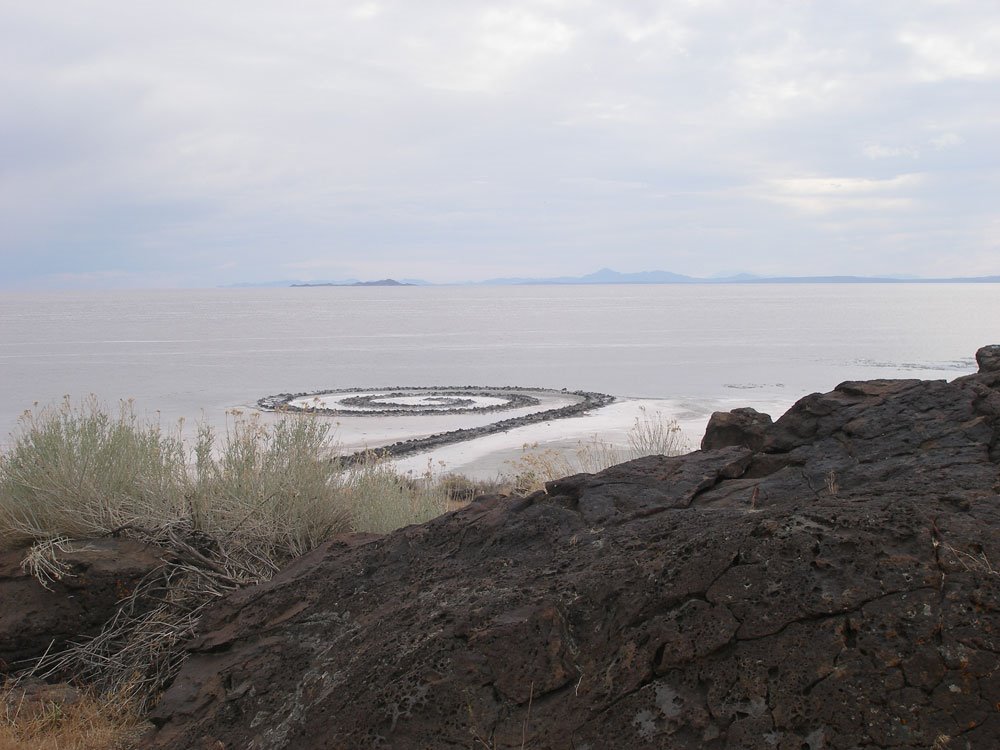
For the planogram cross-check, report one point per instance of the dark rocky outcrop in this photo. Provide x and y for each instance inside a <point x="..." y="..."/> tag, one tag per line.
<point x="988" y="358"/>
<point x="95" y="576"/>
<point x="836" y="584"/>
<point x="746" y="427"/>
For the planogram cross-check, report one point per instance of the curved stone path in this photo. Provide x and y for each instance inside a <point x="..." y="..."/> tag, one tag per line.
<point x="434" y="400"/>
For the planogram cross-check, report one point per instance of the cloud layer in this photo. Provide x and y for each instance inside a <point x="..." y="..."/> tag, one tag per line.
<point x="202" y="143"/>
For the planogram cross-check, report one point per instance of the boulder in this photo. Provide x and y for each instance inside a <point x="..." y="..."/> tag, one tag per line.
<point x="988" y="358"/>
<point x="834" y="584"/>
<point x="742" y="427"/>
<point x="97" y="575"/>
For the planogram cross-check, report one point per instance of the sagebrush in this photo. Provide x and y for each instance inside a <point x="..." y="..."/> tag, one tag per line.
<point x="229" y="510"/>
<point x="228" y="514"/>
<point x="82" y="470"/>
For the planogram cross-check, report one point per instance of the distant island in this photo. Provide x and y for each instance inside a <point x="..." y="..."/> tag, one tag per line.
<point x="610" y="276"/>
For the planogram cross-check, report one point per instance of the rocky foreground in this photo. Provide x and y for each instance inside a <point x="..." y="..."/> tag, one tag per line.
<point x="831" y="580"/>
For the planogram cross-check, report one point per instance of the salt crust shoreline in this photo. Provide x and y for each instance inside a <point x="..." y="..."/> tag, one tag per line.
<point x="491" y="454"/>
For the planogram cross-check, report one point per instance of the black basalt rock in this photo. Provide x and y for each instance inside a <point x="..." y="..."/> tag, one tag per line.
<point x="742" y="427"/>
<point x="988" y="358"/>
<point x="835" y="585"/>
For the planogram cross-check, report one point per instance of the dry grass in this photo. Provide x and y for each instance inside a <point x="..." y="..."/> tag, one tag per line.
<point x="976" y="561"/>
<point x="460" y="489"/>
<point x="650" y="435"/>
<point x="655" y="435"/>
<point x="89" y="723"/>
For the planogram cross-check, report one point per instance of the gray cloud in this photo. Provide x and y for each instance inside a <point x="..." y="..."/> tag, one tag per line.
<point x="204" y="143"/>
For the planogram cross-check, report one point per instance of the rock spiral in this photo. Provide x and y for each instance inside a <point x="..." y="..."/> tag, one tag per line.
<point x="404" y="400"/>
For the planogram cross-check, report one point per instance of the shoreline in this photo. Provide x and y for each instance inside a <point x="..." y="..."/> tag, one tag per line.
<point x="489" y="456"/>
<point x="465" y="444"/>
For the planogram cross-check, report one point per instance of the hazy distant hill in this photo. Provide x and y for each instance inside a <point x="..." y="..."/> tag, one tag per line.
<point x="380" y="282"/>
<point x="604" y="276"/>
<point x="609" y="276"/>
<point x="324" y="282"/>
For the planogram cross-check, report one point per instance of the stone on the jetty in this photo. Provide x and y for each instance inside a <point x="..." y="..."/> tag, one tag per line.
<point x="745" y="427"/>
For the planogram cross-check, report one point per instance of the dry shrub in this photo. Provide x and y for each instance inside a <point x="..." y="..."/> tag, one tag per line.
<point x="654" y="435"/>
<point x="460" y="489"/>
<point x="140" y="649"/>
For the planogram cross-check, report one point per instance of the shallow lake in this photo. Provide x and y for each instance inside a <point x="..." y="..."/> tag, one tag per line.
<point x="686" y="348"/>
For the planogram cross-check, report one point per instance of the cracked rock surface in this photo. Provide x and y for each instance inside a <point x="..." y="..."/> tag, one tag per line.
<point x="831" y="580"/>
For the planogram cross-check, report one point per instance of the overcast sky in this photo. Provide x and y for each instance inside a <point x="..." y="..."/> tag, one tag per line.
<point x="178" y="143"/>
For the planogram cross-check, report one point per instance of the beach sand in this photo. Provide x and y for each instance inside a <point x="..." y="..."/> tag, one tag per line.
<point x="487" y="457"/>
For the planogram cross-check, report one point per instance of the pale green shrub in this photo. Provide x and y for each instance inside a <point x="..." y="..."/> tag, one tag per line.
<point x="271" y="487"/>
<point x="78" y="471"/>
<point x="380" y="499"/>
<point x="251" y="500"/>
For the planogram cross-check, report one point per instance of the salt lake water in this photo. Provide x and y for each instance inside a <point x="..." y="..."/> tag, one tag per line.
<point x="684" y="349"/>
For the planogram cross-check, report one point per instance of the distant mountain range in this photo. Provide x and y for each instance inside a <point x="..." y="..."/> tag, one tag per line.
<point x="604" y="276"/>
<point x="380" y="282"/>
<point x="324" y="282"/>
<point x="609" y="276"/>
